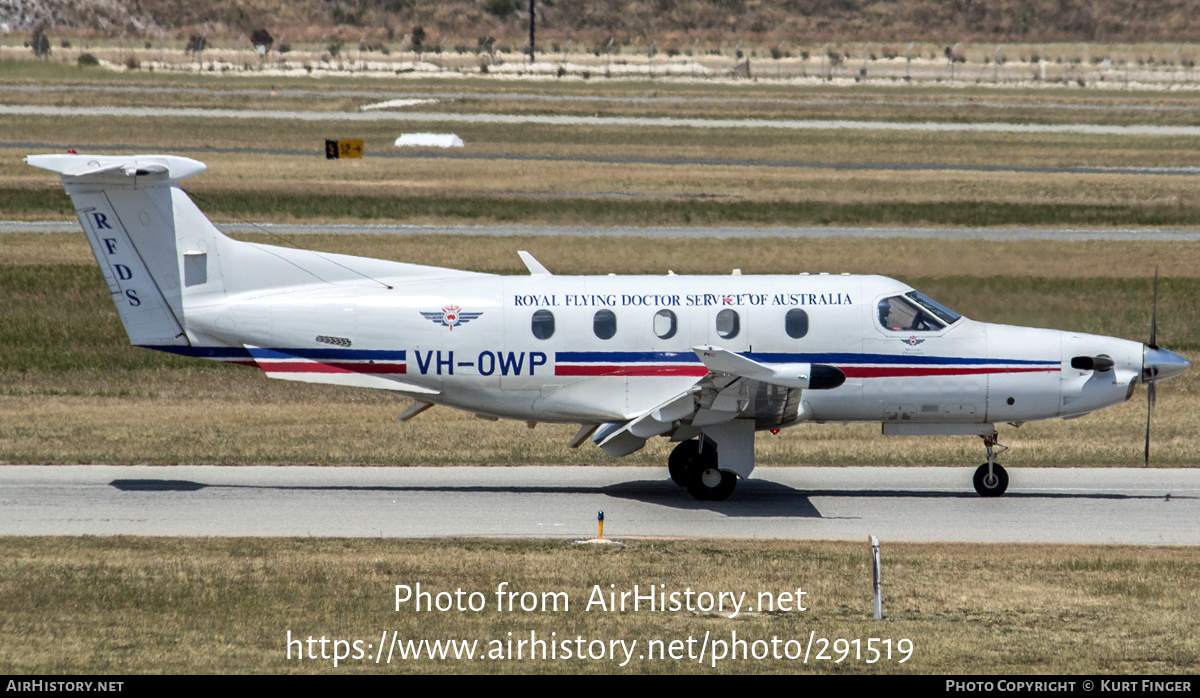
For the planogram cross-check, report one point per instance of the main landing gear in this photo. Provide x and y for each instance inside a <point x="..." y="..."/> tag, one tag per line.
<point x="991" y="479"/>
<point x="693" y="464"/>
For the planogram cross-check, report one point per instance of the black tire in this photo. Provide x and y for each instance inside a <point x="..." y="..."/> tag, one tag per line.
<point x="991" y="489"/>
<point x="705" y="482"/>
<point x="681" y="459"/>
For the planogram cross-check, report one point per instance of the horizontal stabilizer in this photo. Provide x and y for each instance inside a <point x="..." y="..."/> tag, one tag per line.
<point x="83" y="167"/>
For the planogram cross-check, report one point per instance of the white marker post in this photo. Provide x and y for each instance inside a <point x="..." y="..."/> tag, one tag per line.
<point x="875" y="577"/>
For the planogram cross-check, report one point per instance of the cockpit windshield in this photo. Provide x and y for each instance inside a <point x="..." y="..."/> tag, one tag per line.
<point x="947" y="315"/>
<point x="915" y="312"/>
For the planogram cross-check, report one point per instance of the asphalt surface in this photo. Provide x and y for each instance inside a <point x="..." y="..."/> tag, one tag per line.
<point x="989" y="234"/>
<point x="1126" y="505"/>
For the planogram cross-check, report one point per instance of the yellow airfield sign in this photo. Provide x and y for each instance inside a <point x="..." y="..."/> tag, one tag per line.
<point x="345" y="148"/>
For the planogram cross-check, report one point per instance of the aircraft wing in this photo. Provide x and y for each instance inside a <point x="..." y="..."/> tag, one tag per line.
<point x="729" y="390"/>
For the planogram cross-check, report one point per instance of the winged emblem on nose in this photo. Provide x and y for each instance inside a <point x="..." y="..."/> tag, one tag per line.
<point x="450" y="316"/>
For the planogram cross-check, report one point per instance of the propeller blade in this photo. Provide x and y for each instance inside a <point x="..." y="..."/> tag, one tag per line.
<point x="1150" y="397"/>
<point x="1154" y="314"/>
<point x="1150" y="392"/>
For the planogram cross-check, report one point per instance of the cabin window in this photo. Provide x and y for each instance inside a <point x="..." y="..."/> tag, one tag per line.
<point x="901" y="314"/>
<point x="665" y="324"/>
<point x="795" y="323"/>
<point x="542" y="324"/>
<point x="728" y="324"/>
<point x="604" y="324"/>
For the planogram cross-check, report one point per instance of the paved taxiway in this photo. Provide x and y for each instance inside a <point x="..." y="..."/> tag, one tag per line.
<point x="1119" y="505"/>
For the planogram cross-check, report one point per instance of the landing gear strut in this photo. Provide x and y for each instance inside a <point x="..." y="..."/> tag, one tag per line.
<point x="694" y="465"/>
<point x="991" y="479"/>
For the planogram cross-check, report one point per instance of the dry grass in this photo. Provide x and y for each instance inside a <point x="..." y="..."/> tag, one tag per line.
<point x="1013" y="149"/>
<point x="902" y="257"/>
<point x="865" y="103"/>
<point x="439" y="177"/>
<point x="481" y="191"/>
<point x="136" y="605"/>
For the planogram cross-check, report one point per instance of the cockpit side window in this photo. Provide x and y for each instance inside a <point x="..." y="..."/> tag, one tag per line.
<point x="901" y="314"/>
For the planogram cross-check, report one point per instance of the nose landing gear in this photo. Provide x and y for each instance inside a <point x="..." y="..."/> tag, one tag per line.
<point x="991" y="479"/>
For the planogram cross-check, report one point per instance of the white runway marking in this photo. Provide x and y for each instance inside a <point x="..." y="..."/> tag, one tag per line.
<point x="396" y="103"/>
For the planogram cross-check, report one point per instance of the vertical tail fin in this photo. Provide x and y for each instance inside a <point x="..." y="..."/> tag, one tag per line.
<point x="163" y="259"/>
<point x="150" y="240"/>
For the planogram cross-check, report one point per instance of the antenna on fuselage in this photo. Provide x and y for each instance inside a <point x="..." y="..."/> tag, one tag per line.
<point x="535" y="267"/>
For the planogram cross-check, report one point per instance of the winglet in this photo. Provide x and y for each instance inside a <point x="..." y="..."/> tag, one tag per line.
<point x="535" y="267"/>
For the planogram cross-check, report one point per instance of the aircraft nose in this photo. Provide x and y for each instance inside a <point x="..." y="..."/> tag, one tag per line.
<point x="1158" y="364"/>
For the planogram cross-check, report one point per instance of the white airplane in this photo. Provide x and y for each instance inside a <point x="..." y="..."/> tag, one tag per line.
<point x="706" y="361"/>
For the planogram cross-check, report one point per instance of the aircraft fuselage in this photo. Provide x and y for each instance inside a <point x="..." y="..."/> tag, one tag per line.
<point x="605" y="348"/>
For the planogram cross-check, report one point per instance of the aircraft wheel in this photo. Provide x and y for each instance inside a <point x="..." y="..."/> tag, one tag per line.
<point x="706" y="482"/>
<point x="994" y="486"/>
<point x="681" y="459"/>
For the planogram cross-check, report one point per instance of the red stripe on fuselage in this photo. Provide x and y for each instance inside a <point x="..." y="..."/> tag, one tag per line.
<point x="635" y="370"/>
<point x="313" y="367"/>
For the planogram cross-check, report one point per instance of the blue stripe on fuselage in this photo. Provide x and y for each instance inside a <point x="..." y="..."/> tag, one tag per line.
<point x="843" y="358"/>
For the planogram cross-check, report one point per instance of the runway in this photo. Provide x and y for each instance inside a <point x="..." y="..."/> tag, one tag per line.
<point x="1126" y="505"/>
